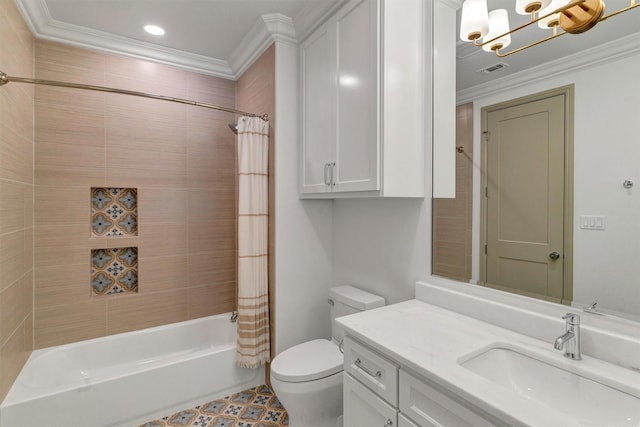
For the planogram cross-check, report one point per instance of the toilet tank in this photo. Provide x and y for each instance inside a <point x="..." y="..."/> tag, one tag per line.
<point x="346" y="300"/>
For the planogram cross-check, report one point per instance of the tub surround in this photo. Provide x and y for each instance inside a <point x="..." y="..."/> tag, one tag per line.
<point x="430" y="342"/>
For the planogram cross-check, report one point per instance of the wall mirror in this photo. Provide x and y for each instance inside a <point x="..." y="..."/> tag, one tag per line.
<point x="601" y="247"/>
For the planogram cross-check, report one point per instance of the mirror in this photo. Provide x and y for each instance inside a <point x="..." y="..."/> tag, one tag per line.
<point x="604" y="219"/>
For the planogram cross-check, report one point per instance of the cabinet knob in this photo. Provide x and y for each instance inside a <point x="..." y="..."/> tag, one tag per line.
<point x="389" y="423"/>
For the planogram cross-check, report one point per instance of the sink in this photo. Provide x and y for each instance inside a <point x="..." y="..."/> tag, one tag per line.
<point x="587" y="401"/>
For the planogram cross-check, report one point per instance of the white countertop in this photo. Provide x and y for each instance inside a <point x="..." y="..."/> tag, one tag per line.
<point x="430" y="340"/>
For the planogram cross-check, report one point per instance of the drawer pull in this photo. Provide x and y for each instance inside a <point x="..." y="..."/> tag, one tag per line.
<point x="377" y="374"/>
<point x="389" y="423"/>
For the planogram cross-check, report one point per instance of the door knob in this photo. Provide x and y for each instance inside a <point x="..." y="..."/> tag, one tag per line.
<point x="554" y="255"/>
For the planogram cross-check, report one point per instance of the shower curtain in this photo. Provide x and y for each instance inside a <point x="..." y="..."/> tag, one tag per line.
<point x="253" y="298"/>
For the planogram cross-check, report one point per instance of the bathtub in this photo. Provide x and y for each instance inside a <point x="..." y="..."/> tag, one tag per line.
<point x="129" y="378"/>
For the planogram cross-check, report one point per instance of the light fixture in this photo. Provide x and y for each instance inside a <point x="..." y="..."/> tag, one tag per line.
<point x="491" y="30"/>
<point x="154" y="29"/>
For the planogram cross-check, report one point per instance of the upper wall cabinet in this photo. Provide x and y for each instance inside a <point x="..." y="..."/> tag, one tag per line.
<point x="364" y="116"/>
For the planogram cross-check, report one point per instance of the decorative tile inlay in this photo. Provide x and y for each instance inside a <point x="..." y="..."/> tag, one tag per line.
<point x="114" y="270"/>
<point x="114" y="212"/>
<point x="256" y="407"/>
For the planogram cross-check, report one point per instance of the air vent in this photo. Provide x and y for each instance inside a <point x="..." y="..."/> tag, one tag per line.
<point x="492" y="68"/>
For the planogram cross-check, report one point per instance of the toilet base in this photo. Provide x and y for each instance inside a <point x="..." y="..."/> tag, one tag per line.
<point x="315" y="403"/>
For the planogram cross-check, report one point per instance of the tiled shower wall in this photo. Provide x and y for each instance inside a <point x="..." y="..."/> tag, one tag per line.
<point x="181" y="160"/>
<point x="452" y="217"/>
<point x="16" y="197"/>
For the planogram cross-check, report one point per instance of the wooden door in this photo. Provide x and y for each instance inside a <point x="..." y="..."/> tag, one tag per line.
<point x="524" y="154"/>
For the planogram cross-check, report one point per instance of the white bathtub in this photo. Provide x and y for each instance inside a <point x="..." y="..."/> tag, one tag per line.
<point x="130" y="378"/>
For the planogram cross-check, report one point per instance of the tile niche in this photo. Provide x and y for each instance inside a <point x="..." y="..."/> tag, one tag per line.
<point x="114" y="214"/>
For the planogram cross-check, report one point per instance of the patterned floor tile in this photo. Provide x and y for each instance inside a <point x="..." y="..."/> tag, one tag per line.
<point x="256" y="407"/>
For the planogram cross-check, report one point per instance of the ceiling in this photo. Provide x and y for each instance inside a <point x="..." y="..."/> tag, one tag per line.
<point x="219" y="37"/>
<point x="563" y="49"/>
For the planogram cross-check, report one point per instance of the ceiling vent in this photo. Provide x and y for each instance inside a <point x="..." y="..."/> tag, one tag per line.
<point x="492" y="68"/>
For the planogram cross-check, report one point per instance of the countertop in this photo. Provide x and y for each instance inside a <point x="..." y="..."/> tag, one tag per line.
<point x="430" y="341"/>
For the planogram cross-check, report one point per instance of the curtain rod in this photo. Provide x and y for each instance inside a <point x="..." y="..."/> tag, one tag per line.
<point x="4" y="79"/>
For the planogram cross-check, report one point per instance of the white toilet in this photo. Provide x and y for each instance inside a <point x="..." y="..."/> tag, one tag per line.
<point x="307" y="378"/>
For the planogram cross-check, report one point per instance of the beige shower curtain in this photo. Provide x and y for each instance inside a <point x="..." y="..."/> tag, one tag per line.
<point x="253" y="219"/>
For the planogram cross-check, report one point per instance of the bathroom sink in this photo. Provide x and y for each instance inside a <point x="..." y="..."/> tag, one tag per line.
<point x="587" y="401"/>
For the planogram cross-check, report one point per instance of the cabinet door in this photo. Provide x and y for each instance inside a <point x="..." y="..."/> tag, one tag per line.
<point x="362" y="408"/>
<point x="431" y="408"/>
<point x="318" y="109"/>
<point x="357" y="145"/>
<point x="405" y="422"/>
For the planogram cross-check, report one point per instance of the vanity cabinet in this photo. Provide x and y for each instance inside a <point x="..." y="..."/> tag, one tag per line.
<point x="380" y="392"/>
<point x="363" y="75"/>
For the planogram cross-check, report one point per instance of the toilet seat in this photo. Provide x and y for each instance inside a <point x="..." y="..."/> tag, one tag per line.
<point x="308" y="361"/>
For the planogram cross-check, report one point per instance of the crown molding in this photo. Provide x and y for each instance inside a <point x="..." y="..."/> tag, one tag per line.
<point x="269" y="28"/>
<point x="617" y="49"/>
<point x="43" y="26"/>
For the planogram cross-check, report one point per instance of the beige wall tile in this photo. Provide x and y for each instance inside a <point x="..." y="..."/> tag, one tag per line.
<point x="62" y="206"/>
<point x="212" y="267"/>
<point x="71" y="128"/>
<point x="157" y="240"/>
<point x="107" y="140"/>
<point x="163" y="273"/>
<point x="211" y="204"/>
<point x="16" y="108"/>
<point x="212" y="90"/>
<point x="142" y="76"/>
<point x="67" y="323"/>
<point x="16" y="196"/>
<point x="13" y="356"/>
<point x="132" y="312"/>
<point x="15" y="306"/>
<point x="16" y="156"/>
<point x="12" y="206"/>
<point x="205" y="236"/>
<point x="212" y="299"/>
<point x="161" y="205"/>
<point x="13" y="263"/>
<point x="58" y="61"/>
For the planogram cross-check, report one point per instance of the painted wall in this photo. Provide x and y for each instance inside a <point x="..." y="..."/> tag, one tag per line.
<point x="180" y="158"/>
<point x="606" y="152"/>
<point x="16" y="197"/>
<point x="303" y="227"/>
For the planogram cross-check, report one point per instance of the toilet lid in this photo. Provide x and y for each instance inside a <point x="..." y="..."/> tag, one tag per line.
<point x="308" y="361"/>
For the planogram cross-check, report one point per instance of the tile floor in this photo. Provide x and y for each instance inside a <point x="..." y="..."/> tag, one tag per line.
<point x="256" y="407"/>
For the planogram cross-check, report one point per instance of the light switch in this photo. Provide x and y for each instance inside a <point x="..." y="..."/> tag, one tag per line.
<point x="592" y="222"/>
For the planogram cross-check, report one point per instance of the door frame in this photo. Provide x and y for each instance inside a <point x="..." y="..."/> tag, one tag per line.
<point x="569" y="95"/>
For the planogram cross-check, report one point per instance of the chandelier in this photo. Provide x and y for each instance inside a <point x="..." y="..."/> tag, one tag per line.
<point x="491" y="32"/>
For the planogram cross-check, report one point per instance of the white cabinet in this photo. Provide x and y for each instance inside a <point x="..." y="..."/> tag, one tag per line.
<point x="363" y="76"/>
<point x="430" y="407"/>
<point x="405" y="422"/>
<point x="380" y="392"/>
<point x="362" y="408"/>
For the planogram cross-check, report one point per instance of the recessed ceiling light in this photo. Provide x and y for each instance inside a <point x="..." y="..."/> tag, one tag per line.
<point x="154" y="29"/>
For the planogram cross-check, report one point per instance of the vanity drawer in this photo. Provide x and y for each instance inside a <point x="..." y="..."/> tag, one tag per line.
<point x="372" y="370"/>
<point x="430" y="408"/>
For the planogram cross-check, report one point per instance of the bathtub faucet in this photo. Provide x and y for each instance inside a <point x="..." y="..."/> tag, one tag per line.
<point x="234" y="317"/>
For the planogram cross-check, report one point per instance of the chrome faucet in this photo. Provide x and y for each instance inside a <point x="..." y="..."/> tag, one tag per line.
<point x="570" y="340"/>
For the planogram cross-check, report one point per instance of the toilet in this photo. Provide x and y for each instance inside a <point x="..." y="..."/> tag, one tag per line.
<point x="307" y="378"/>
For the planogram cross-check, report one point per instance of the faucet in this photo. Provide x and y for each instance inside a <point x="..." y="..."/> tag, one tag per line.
<point x="570" y="340"/>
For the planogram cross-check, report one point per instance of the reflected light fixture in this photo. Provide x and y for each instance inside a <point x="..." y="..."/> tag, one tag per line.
<point x="154" y="29"/>
<point x="491" y="31"/>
